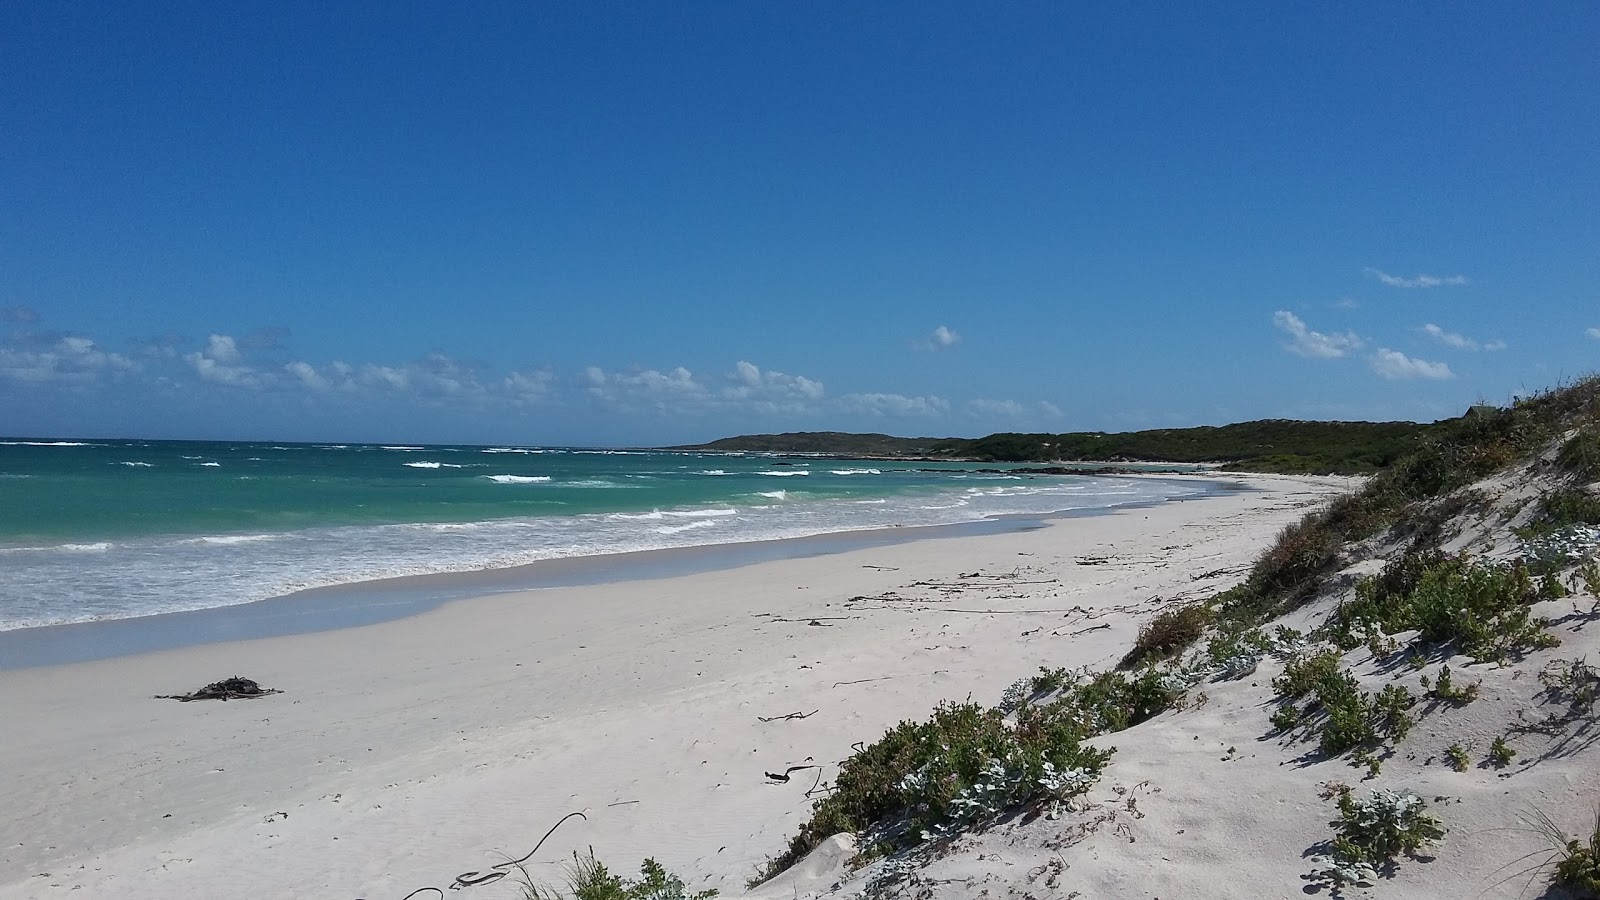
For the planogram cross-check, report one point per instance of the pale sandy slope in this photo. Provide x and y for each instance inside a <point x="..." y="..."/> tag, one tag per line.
<point x="1211" y="801"/>
<point x="404" y="753"/>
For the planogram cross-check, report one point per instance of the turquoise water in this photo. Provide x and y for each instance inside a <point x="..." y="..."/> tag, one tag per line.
<point x="116" y="529"/>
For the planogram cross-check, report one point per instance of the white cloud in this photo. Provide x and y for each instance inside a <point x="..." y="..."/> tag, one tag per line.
<point x="1593" y="332"/>
<point x="894" y="405"/>
<point x="1314" y="344"/>
<point x="941" y="338"/>
<point x="1393" y="364"/>
<point x="529" y="387"/>
<point x="438" y="375"/>
<point x="1420" y="281"/>
<point x="1050" y="409"/>
<point x="748" y="388"/>
<point x="749" y="382"/>
<point x="1458" y="341"/>
<point x="382" y="376"/>
<point x="220" y="363"/>
<point x="222" y="349"/>
<point x="76" y="360"/>
<point x="307" y="375"/>
<point x="1001" y="409"/>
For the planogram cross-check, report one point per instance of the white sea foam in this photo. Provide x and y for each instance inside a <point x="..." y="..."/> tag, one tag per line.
<point x="96" y="547"/>
<point x="399" y="448"/>
<point x="136" y="465"/>
<point x="148" y="575"/>
<point x="713" y="472"/>
<point x="211" y="465"/>
<point x="514" y="450"/>
<point x="228" y="540"/>
<point x="857" y="471"/>
<point x="785" y="473"/>
<point x="43" y="443"/>
<point x="429" y="464"/>
<point x="690" y="526"/>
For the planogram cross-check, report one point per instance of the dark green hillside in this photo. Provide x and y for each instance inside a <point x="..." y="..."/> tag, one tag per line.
<point x="832" y="442"/>
<point x="1275" y="445"/>
<point x="1267" y="445"/>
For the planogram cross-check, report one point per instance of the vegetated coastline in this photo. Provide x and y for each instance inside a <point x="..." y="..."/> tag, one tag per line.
<point x="1390" y="631"/>
<point x="1281" y="446"/>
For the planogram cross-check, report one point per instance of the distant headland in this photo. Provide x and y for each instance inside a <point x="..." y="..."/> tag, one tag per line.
<point x="1267" y="445"/>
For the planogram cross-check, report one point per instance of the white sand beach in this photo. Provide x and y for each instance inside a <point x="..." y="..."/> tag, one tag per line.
<point x="401" y="755"/>
<point x="404" y="753"/>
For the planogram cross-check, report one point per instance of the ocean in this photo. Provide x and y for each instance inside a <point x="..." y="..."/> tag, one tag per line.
<point x="96" y="530"/>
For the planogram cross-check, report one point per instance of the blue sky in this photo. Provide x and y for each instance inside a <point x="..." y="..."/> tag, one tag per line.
<point x="605" y="223"/>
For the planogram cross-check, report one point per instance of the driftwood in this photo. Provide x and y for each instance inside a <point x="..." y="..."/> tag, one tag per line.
<point x="793" y="715"/>
<point x="784" y="776"/>
<point x="234" y="688"/>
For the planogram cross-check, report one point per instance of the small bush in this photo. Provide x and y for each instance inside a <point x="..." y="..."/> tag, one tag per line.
<point x="1301" y="552"/>
<point x="588" y="879"/>
<point x="1580" y="455"/>
<point x="1577" y="859"/>
<point x="965" y="763"/>
<point x="1501" y="753"/>
<point x="1579" y="869"/>
<point x="1374" y="831"/>
<point x="1457" y="755"/>
<point x="1343" y="716"/>
<point x="1168" y="634"/>
<point x="1482" y="609"/>
<point x="1562" y="508"/>
<point x="1392" y="707"/>
<point x="1309" y="674"/>
<point x="1447" y="690"/>
<point x="1573" y="683"/>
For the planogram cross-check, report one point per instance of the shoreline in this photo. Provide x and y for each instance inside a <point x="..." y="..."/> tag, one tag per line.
<point x="403" y="752"/>
<point x="354" y="604"/>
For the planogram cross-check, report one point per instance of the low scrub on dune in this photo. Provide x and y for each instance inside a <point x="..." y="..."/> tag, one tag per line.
<point x="1580" y="455"/>
<point x="1168" y="634"/>
<point x="1413" y="491"/>
<point x="967" y="763"/>
<point x="1335" y="708"/>
<point x="589" y="879"/>
<point x="1482" y="610"/>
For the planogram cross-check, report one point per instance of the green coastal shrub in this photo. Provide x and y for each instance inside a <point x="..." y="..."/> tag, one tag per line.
<point x="1579" y="868"/>
<point x="1414" y="492"/>
<point x="966" y="763"/>
<point x="1168" y="634"/>
<point x="1482" y="609"/>
<point x="1577" y="859"/>
<point x="589" y="879"/>
<point x="1373" y="832"/>
<point x="1339" y="712"/>
<point x="1561" y="509"/>
<point x="1580" y="455"/>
